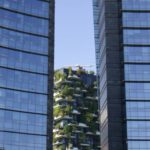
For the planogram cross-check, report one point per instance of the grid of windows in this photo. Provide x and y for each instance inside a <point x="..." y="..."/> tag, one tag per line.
<point x="23" y="122"/>
<point x="137" y="54"/>
<point x="136" y="5"/>
<point x="32" y="102"/>
<point x="23" y="23"/>
<point x="22" y="41"/>
<point x="15" y="141"/>
<point x="136" y="38"/>
<point x="31" y="7"/>
<point x="24" y="38"/>
<point x="23" y="81"/>
<point x="136" y="19"/>
<point x="138" y="91"/>
<point x="23" y="61"/>
<point x="137" y="72"/>
<point x="138" y="129"/>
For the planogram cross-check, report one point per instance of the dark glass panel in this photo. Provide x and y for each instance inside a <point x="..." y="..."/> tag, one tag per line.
<point x="23" y="41"/>
<point x="137" y="54"/>
<point x="136" y="19"/>
<point x="23" y="101"/>
<point x="23" y="61"/>
<point x="34" y="7"/>
<point x="139" y="37"/>
<point x="136" y="4"/>
<point x="23" y="22"/>
<point x="14" y="141"/>
<point x="137" y="72"/>
<point x="23" y="122"/>
<point x="138" y="91"/>
<point x="23" y="81"/>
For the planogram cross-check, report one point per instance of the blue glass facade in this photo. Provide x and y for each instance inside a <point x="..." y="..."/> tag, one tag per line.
<point x="136" y="40"/>
<point x="24" y="73"/>
<point x="122" y="39"/>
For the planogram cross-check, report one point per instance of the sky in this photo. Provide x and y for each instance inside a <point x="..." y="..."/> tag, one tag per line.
<point x="74" y="33"/>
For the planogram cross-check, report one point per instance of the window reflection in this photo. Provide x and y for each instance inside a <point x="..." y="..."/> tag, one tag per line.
<point x="23" y="61"/>
<point x="23" y="122"/>
<point x="136" y="19"/>
<point x="34" y="7"/>
<point x="14" y="141"/>
<point x="137" y="54"/>
<point x="138" y="110"/>
<point x="136" y="36"/>
<point x="137" y="72"/>
<point x="23" y="101"/>
<point x="138" y="145"/>
<point x="23" y="81"/>
<point x="23" y="41"/>
<point x="23" y="22"/>
<point x="138" y="91"/>
<point x="136" y="4"/>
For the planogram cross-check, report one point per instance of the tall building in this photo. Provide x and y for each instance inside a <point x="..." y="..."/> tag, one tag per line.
<point x="76" y="125"/>
<point x="26" y="74"/>
<point x="122" y="39"/>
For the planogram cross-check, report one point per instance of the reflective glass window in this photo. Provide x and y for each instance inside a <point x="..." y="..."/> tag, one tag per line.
<point x="137" y="72"/>
<point x="23" y="81"/>
<point x="136" y="4"/>
<point x="136" y="19"/>
<point x="14" y="141"/>
<point x="23" y="22"/>
<point x="138" y="145"/>
<point x="34" y="7"/>
<point x="136" y="36"/>
<point x="103" y="97"/>
<point x="23" y="122"/>
<point x="138" y="129"/>
<point x="23" y="61"/>
<point x="138" y="110"/>
<point x="23" y="101"/>
<point x="138" y="91"/>
<point x="137" y="54"/>
<point x="23" y="41"/>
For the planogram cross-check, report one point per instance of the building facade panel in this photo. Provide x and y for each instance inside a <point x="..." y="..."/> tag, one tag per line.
<point x="136" y="49"/>
<point x="30" y="7"/>
<point x="26" y="74"/>
<point x="122" y="39"/>
<point x="110" y="86"/>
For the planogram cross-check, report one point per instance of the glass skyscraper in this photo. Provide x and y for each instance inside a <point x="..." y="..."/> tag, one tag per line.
<point x="26" y="74"/>
<point x="122" y="37"/>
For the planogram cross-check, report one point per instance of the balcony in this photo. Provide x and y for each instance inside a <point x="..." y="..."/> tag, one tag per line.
<point x="58" y="99"/>
<point x="57" y="136"/>
<point x="89" y="98"/>
<point x="76" y="112"/>
<point x="62" y="117"/>
<point x="73" y="77"/>
<point x="95" y="115"/>
<point x="83" y="108"/>
<point x="67" y="82"/>
<point x="98" y="133"/>
<point x="58" y="143"/>
<point x="77" y="131"/>
<point x="82" y="125"/>
<point x="55" y="130"/>
<point x="89" y="133"/>
<point x="74" y="148"/>
<point x="77" y="95"/>
<point x="84" y="91"/>
<point x="85" y="144"/>
<point x="56" y="94"/>
<point x="59" y="81"/>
